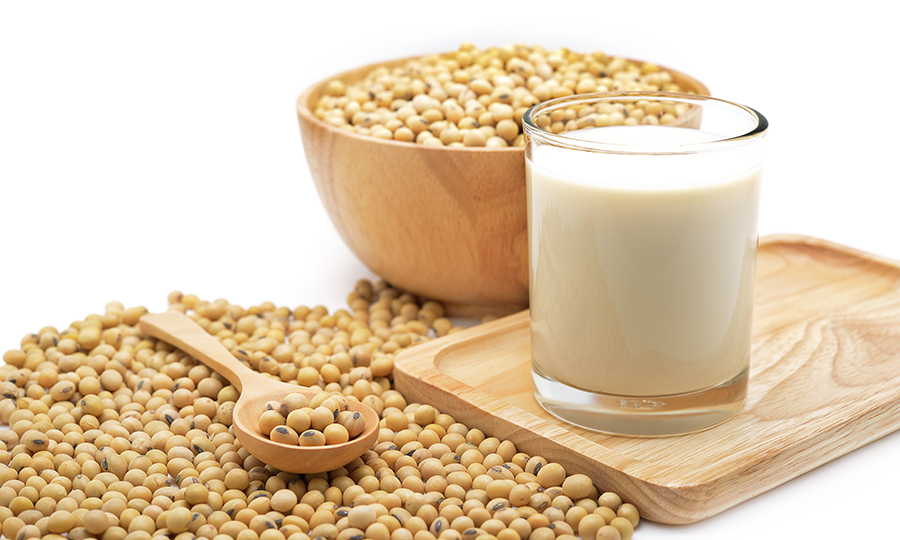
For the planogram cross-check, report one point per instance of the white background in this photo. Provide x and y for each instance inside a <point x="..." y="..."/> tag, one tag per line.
<point x="146" y="147"/>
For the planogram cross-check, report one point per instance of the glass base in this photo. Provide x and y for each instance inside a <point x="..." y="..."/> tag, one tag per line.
<point x="641" y="416"/>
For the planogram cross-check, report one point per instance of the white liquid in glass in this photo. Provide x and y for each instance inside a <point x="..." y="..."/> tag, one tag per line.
<point x="642" y="267"/>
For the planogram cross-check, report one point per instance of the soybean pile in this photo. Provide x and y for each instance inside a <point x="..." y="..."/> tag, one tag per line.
<point x="118" y="436"/>
<point x="476" y="97"/>
<point x="325" y="420"/>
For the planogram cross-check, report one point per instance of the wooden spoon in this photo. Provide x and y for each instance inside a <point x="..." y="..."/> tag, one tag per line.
<point x="180" y="331"/>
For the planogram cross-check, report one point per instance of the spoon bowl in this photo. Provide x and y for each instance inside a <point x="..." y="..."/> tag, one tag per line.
<point x="178" y="330"/>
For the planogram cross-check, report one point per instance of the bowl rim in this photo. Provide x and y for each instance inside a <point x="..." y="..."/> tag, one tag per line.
<point x="305" y="113"/>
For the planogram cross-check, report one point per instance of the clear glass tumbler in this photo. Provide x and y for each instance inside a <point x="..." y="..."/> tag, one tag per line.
<point x="642" y="231"/>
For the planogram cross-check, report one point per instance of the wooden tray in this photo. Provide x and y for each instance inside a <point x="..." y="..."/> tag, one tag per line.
<point x="824" y="380"/>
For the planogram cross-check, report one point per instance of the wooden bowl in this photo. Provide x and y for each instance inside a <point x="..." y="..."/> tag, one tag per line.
<point x="447" y="224"/>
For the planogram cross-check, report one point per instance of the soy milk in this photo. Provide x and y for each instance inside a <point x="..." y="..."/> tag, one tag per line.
<point x="654" y="263"/>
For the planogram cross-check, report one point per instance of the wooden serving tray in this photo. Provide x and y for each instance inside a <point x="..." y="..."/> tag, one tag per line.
<point x="824" y="380"/>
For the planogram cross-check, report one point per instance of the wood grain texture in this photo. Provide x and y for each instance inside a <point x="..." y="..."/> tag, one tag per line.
<point x="443" y="223"/>
<point x="178" y="330"/>
<point x="824" y="380"/>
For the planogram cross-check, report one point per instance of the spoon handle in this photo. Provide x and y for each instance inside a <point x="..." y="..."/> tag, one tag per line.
<point x="179" y="330"/>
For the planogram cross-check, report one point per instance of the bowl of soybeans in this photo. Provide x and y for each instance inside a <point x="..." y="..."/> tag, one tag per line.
<point x="420" y="163"/>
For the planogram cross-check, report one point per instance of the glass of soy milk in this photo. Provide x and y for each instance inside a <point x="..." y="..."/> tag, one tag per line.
<point x="642" y="231"/>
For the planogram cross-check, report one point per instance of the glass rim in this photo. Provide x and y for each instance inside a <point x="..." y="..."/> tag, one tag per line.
<point x="531" y="130"/>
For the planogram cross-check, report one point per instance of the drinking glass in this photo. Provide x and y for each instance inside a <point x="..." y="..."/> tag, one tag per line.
<point x="642" y="232"/>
